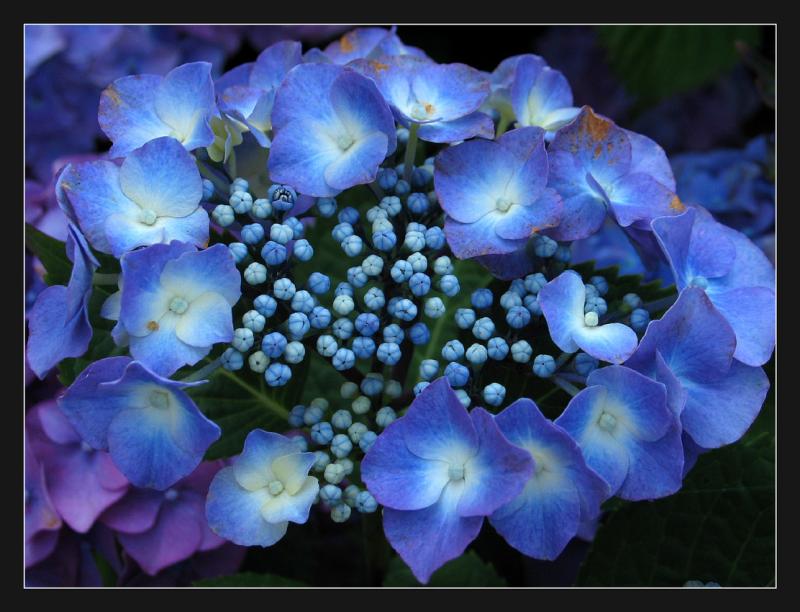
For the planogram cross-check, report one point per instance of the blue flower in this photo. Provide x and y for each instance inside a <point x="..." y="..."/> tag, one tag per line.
<point x="691" y="351"/>
<point x="332" y="130"/>
<point x="368" y="43"/>
<point x="596" y="165"/>
<point x="541" y="96"/>
<point x="438" y="471"/>
<point x="627" y="433"/>
<point x="442" y="98"/>
<point x="137" y="109"/>
<point x="562" y="301"/>
<point x="562" y="493"/>
<point x="495" y="194"/>
<point x="251" y="502"/>
<point x="154" y="197"/>
<point x="248" y="93"/>
<point x="176" y="303"/>
<point x="58" y="323"/>
<point x="152" y="429"/>
<point x="735" y="274"/>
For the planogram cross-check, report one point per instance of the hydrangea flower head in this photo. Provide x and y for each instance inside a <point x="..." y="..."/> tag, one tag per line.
<point x="368" y="43"/>
<point x="495" y="194"/>
<point x="735" y="274"/>
<point x="562" y="301"/>
<point x="442" y="98"/>
<point x="176" y="303"/>
<point x="152" y="429"/>
<point x="561" y="494"/>
<point x="42" y="522"/>
<point x="252" y="502"/>
<point x="332" y="130"/>
<point x="58" y="323"/>
<point x="137" y="109"/>
<point x="627" y="433"/>
<point x="152" y="198"/>
<point x="691" y="351"/>
<point x="439" y="471"/>
<point x="596" y="165"/>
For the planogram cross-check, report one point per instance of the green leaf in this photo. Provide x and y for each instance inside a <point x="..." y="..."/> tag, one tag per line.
<point x="241" y="401"/>
<point x="657" y="61"/>
<point x="468" y="570"/>
<point x="719" y="527"/>
<point x="52" y="253"/>
<point x="249" y="579"/>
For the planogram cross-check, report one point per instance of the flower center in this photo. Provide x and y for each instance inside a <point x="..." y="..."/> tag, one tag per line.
<point x="159" y="399"/>
<point x="699" y="281"/>
<point x="607" y="422"/>
<point x="345" y="141"/>
<point x="503" y="204"/>
<point x="590" y="318"/>
<point x="275" y="487"/>
<point x="456" y="472"/>
<point x="147" y="216"/>
<point x="422" y="111"/>
<point x="178" y="305"/>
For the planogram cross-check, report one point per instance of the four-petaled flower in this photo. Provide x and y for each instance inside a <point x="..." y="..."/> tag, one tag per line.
<point x="152" y="429"/>
<point x="541" y="96"/>
<point x="439" y="471"/>
<point x="252" y="502"/>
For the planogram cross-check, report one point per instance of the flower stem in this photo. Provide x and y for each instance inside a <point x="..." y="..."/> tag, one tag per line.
<point x="411" y="149"/>
<point x="203" y="372"/>
<point x="105" y="279"/>
<point x="566" y="386"/>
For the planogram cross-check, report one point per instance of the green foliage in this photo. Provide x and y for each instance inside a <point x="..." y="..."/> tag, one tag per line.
<point x="241" y="401"/>
<point x="468" y="570"/>
<point x="51" y="252"/>
<point x="248" y="579"/>
<point x="719" y="527"/>
<point x="657" y="61"/>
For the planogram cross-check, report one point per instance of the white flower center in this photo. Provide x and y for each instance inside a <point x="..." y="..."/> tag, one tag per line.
<point x="178" y="305"/>
<point x="590" y="318"/>
<point x="275" y="487"/>
<point x="159" y="399"/>
<point x="147" y="216"/>
<point x="607" y="422"/>
<point x="503" y="204"/>
<point x="345" y="141"/>
<point x="456" y="472"/>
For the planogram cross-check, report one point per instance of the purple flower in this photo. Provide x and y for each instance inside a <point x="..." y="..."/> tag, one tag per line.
<point x="175" y="303"/>
<point x="439" y="471"/>
<point x="541" y="96"/>
<point x="333" y="138"/>
<point x="154" y="197"/>
<point x="627" y="433"/>
<point x="58" y="323"/>
<point x="42" y="522"/>
<point x="152" y="429"/>
<point x="160" y="528"/>
<point x="691" y="351"/>
<point x="735" y="274"/>
<point x="443" y="99"/>
<point x="595" y="166"/>
<point x="368" y="43"/>
<point x="494" y="193"/>
<point x="562" y="301"/>
<point x="81" y="481"/>
<point x="137" y="109"/>
<point x="562" y="494"/>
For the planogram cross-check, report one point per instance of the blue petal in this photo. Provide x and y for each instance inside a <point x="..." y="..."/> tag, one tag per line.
<point x="474" y="125"/>
<point x="162" y="176"/>
<point x="656" y="468"/>
<point x="125" y="233"/>
<point x="522" y="222"/>
<point x="582" y="215"/>
<point x="303" y="95"/>
<point x="234" y="77"/>
<point x="538" y="92"/>
<point x="437" y="425"/>
<point x="301" y="152"/>
<point x="751" y="313"/>
<point x="562" y="301"/>
<point x="128" y="113"/>
<point x="612" y="342"/>
<point x="155" y="445"/>
<point x="212" y="270"/>
<point x="207" y="321"/>
<point x="361" y="109"/>
<point x="185" y="101"/>
<point x="292" y="507"/>
<point x="508" y="266"/>
<point x="427" y="539"/>
<point x="88" y="412"/>
<point x="162" y="351"/>
<point x="639" y="198"/>
<point x="720" y="412"/>
<point x="468" y="240"/>
<point x="649" y="158"/>
<point x="359" y="164"/>
<point x="94" y="191"/>
<point x="274" y="62"/>
<point x="399" y="479"/>
<point x="253" y="468"/>
<point x="455" y="90"/>
<point x="234" y="513"/>
<point x="497" y="474"/>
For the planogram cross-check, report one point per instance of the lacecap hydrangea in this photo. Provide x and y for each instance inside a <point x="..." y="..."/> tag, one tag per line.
<point x="349" y="271"/>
